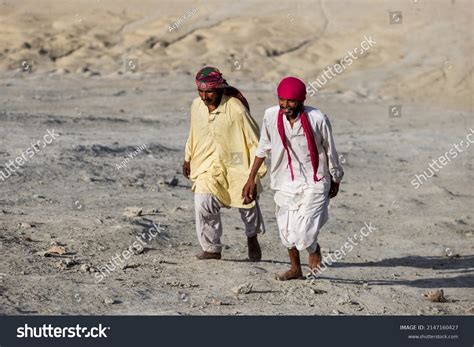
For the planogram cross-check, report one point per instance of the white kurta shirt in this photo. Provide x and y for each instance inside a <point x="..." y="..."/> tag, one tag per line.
<point x="301" y="204"/>
<point x="270" y="141"/>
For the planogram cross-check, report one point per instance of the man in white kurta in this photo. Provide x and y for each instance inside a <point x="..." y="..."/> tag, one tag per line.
<point x="301" y="199"/>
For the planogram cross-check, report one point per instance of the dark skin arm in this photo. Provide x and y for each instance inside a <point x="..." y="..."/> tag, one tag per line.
<point x="186" y="169"/>
<point x="334" y="189"/>
<point x="249" y="192"/>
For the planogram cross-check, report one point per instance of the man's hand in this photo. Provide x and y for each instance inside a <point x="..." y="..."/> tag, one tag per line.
<point x="249" y="193"/>
<point x="186" y="169"/>
<point x="334" y="189"/>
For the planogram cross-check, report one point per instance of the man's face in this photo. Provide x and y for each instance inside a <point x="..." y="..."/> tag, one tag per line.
<point x="210" y="96"/>
<point x="289" y="107"/>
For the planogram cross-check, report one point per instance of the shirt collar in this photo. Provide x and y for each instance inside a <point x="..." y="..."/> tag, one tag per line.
<point x="221" y="107"/>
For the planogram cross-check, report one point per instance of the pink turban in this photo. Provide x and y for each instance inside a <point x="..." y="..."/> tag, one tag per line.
<point x="292" y="88"/>
<point x="210" y="78"/>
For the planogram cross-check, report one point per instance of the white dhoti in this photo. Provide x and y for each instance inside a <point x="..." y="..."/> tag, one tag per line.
<point x="302" y="203"/>
<point x="300" y="215"/>
<point x="209" y="224"/>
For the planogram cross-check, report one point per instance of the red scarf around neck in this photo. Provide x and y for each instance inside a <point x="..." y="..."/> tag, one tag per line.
<point x="308" y="132"/>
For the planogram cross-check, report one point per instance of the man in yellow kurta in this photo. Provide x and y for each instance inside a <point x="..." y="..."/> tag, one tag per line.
<point x="219" y="154"/>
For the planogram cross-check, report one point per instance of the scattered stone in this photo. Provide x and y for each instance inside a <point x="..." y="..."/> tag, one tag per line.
<point x="337" y="312"/>
<point x="84" y="268"/>
<point x="460" y="221"/>
<point x="64" y="264"/>
<point x="172" y="182"/>
<point x="86" y="178"/>
<point x="24" y="225"/>
<point x="109" y="301"/>
<point x="435" y="296"/>
<point x="151" y="211"/>
<point x="133" y="211"/>
<point x="55" y="250"/>
<point x="244" y="288"/>
<point x="453" y="255"/>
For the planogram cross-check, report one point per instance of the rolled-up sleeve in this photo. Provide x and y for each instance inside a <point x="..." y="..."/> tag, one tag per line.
<point x="264" y="145"/>
<point x="335" y="168"/>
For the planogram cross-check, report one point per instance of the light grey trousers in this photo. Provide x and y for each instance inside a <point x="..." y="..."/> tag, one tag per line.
<point x="209" y="223"/>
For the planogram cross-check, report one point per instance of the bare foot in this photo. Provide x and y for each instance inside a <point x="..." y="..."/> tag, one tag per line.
<point x="208" y="255"/>
<point x="315" y="259"/>
<point x="292" y="274"/>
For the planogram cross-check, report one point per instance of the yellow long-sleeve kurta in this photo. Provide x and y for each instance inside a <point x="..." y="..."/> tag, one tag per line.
<point x="221" y="148"/>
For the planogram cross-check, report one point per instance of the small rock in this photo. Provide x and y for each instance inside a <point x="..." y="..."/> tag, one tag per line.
<point x="244" y="288"/>
<point x="133" y="211"/>
<point x="66" y="263"/>
<point x="25" y="225"/>
<point x="435" y="296"/>
<point x="86" y="178"/>
<point x="109" y="301"/>
<point x="55" y="250"/>
<point x="172" y="182"/>
<point x="84" y="268"/>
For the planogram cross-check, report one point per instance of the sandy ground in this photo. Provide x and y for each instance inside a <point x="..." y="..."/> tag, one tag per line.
<point x="64" y="67"/>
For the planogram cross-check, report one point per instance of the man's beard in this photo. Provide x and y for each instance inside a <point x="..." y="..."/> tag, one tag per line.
<point x="291" y="112"/>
